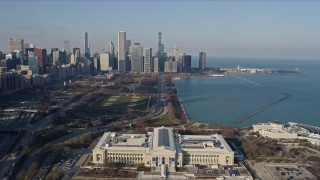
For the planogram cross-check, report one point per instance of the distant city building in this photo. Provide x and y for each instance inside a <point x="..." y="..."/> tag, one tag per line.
<point x="170" y="66"/>
<point x="34" y="64"/>
<point x="176" y="53"/>
<point x="96" y="63"/>
<point x="160" y="53"/>
<point x="28" y="52"/>
<point x="122" y="51"/>
<point x="16" y="45"/>
<point x="75" y="57"/>
<point x="11" y="82"/>
<point x="136" y="57"/>
<point x="128" y="44"/>
<point x="54" y="49"/>
<point x="128" y="60"/>
<point x="202" y="61"/>
<point x="29" y="46"/>
<point x="147" y="60"/>
<point x="76" y="51"/>
<point x="42" y="56"/>
<point x="160" y="45"/>
<point x="180" y="63"/>
<point x="186" y="63"/>
<point x="1" y="55"/>
<point x="58" y="58"/>
<point x="67" y="47"/>
<point x="105" y="61"/>
<point x="110" y="48"/>
<point x="86" y="45"/>
<point x="156" y="64"/>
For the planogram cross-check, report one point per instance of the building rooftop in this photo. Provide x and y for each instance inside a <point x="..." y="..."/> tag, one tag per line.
<point x="118" y="141"/>
<point x="205" y="142"/>
<point x="163" y="138"/>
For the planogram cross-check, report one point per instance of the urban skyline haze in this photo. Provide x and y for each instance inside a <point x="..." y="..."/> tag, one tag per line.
<point x="232" y="29"/>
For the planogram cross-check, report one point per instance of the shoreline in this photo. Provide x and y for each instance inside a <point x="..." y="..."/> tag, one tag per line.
<point x="181" y="104"/>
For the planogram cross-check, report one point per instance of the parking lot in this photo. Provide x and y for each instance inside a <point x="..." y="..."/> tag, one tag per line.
<point x="283" y="171"/>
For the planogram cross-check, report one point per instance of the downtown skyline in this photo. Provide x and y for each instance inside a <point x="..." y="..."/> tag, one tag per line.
<point x="231" y="29"/>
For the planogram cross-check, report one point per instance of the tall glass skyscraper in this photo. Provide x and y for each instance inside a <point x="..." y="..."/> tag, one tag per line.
<point x="136" y="56"/>
<point x="160" y="53"/>
<point x="122" y="51"/>
<point x="147" y="60"/>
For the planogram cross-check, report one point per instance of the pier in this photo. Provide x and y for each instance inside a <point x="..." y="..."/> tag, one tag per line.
<point x="244" y="79"/>
<point x="263" y="108"/>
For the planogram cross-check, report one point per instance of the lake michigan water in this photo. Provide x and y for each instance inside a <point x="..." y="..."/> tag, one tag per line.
<point x="223" y="101"/>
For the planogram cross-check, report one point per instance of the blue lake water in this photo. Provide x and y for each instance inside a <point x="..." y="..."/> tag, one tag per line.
<point x="225" y="100"/>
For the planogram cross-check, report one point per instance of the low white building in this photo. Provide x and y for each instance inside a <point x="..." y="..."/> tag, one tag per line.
<point x="269" y="125"/>
<point x="274" y="131"/>
<point x="163" y="147"/>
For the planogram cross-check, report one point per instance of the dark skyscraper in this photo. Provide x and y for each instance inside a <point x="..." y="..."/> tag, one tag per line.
<point x="202" y="61"/>
<point x="128" y="60"/>
<point x="128" y="44"/>
<point x="160" y="45"/>
<point x="186" y="61"/>
<point x="161" y="55"/>
<point x="86" y="45"/>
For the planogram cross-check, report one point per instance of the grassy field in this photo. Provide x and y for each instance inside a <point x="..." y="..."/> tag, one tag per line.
<point x="112" y="106"/>
<point x="117" y="102"/>
<point x="65" y="95"/>
<point x="164" y="120"/>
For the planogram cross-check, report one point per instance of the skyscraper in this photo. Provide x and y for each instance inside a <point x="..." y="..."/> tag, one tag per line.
<point x="160" y="53"/>
<point x="16" y="45"/>
<point x="58" y="58"/>
<point x="34" y="64"/>
<point x="42" y="56"/>
<point x="202" y="61"/>
<point x="160" y="45"/>
<point x="156" y="64"/>
<point x="122" y="51"/>
<point x="128" y="44"/>
<point x="147" y="60"/>
<point x="186" y="61"/>
<point x="105" y="61"/>
<point x="86" y="45"/>
<point x="110" y="48"/>
<point x="67" y="47"/>
<point x="170" y="66"/>
<point x="96" y="62"/>
<point x="176" y="53"/>
<point x="136" y="56"/>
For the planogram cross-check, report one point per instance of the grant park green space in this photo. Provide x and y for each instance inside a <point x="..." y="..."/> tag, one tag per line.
<point x="66" y="95"/>
<point x="163" y="121"/>
<point x="109" y="108"/>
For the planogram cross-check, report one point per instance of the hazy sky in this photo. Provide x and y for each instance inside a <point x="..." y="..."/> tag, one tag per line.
<point x="283" y="29"/>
